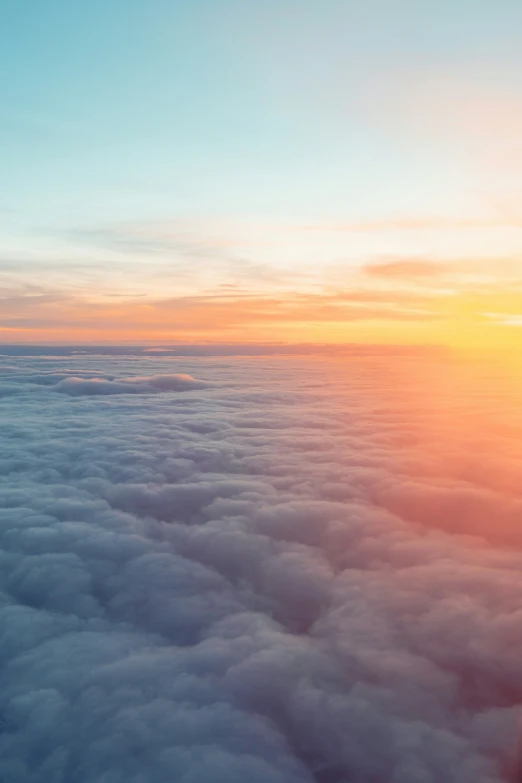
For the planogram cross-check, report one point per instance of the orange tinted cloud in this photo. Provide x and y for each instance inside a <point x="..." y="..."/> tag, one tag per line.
<point x="399" y="269"/>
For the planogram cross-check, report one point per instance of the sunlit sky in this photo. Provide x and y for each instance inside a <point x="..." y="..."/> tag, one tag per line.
<point x="262" y="170"/>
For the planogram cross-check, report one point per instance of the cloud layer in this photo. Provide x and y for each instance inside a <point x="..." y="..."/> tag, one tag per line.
<point x="298" y="570"/>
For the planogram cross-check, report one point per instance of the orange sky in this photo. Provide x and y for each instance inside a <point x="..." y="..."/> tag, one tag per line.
<point x="401" y="301"/>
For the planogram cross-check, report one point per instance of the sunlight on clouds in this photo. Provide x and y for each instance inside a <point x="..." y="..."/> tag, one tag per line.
<point x="276" y="569"/>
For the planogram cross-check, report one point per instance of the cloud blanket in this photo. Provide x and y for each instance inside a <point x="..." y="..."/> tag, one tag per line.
<point x="275" y="569"/>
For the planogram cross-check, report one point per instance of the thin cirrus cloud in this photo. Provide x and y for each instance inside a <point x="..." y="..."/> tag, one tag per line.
<point x="228" y="313"/>
<point x="407" y="269"/>
<point x="265" y="280"/>
<point x="390" y="299"/>
<point x="418" y="224"/>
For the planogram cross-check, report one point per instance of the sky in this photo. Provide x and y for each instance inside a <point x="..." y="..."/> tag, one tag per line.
<point x="261" y="171"/>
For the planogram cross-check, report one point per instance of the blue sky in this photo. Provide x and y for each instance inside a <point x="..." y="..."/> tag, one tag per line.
<point x="250" y="132"/>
